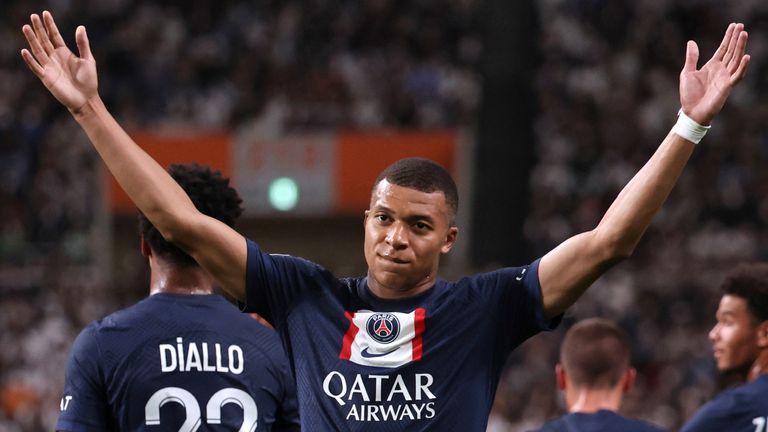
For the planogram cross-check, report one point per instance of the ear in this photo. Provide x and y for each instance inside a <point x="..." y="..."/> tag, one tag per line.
<point x="762" y="335"/>
<point x="560" y="377"/>
<point x="629" y="380"/>
<point x="450" y="239"/>
<point x="146" y="251"/>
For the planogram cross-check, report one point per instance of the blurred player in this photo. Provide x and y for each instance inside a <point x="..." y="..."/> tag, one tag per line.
<point x="740" y="343"/>
<point x="594" y="375"/>
<point x="398" y="349"/>
<point x="183" y="358"/>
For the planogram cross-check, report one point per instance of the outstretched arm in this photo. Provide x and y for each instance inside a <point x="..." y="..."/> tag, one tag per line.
<point x="73" y="81"/>
<point x="569" y="269"/>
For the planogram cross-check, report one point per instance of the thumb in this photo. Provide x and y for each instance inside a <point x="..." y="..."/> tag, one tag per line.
<point x="81" y="37"/>
<point x="691" y="56"/>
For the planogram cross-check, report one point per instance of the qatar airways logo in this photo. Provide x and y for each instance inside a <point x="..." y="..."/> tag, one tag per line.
<point x="384" y="339"/>
<point x="382" y="397"/>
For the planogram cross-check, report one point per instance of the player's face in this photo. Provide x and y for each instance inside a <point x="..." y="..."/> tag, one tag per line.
<point x="406" y="232"/>
<point x="734" y="337"/>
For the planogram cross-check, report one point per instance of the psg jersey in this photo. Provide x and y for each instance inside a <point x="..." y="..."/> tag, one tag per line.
<point x="744" y="408"/>
<point x="178" y="363"/>
<point x="363" y="363"/>
<point x="599" y="421"/>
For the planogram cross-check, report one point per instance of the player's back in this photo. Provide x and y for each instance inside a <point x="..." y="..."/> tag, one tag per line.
<point x="744" y="408"/>
<point x="600" y="421"/>
<point x="178" y="363"/>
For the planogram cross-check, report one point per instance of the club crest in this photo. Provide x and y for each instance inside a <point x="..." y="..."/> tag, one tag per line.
<point x="383" y="327"/>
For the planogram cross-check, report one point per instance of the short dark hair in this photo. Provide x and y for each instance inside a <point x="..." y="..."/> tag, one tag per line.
<point x="211" y="193"/>
<point x="423" y="175"/>
<point x="750" y="282"/>
<point x="595" y="353"/>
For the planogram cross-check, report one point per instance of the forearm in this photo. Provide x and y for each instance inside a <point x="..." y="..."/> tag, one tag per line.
<point x="148" y="185"/>
<point x="630" y="214"/>
<point x="569" y="269"/>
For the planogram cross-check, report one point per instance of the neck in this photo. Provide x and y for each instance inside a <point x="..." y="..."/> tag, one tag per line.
<point x="585" y="400"/>
<point x="395" y="293"/>
<point x="169" y="279"/>
<point x="759" y="367"/>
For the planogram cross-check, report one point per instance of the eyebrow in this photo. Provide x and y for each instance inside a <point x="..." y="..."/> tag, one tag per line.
<point x="410" y="218"/>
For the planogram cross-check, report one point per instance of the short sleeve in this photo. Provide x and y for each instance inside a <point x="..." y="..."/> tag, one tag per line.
<point x="512" y="296"/>
<point x="275" y="282"/>
<point x="84" y="403"/>
<point x="532" y="296"/>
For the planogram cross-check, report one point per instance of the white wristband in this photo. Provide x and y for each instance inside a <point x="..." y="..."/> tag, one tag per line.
<point x="687" y="128"/>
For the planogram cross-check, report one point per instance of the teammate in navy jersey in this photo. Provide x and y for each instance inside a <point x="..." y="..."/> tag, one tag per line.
<point x="594" y="374"/>
<point x="183" y="359"/>
<point x="398" y="349"/>
<point x="740" y="343"/>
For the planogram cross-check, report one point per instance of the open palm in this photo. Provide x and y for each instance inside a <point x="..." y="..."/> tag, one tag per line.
<point x="71" y="79"/>
<point x="703" y="92"/>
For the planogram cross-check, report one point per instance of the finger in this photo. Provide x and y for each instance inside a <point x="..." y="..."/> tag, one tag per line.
<point x="729" y="54"/>
<point x="691" y="56"/>
<point x="82" y="43"/>
<point x="32" y="63"/>
<point x="42" y="34"/>
<point x="53" y="30"/>
<point x="736" y="60"/>
<point x="34" y="45"/>
<point x="724" y="44"/>
<point x="742" y="70"/>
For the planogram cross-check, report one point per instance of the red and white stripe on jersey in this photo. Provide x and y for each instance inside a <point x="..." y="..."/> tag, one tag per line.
<point x="404" y="329"/>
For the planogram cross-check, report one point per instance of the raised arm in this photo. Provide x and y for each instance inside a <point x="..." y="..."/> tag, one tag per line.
<point x="569" y="269"/>
<point x="73" y="81"/>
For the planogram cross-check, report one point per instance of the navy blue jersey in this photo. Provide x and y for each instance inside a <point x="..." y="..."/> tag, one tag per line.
<point x="600" y="421"/>
<point x="178" y="363"/>
<point x="362" y="363"/>
<point x="744" y="408"/>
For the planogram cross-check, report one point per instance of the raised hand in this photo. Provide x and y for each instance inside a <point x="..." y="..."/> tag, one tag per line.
<point x="71" y="79"/>
<point x="703" y="92"/>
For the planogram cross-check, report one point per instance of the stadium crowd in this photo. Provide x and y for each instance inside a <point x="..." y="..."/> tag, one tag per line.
<point x="607" y="93"/>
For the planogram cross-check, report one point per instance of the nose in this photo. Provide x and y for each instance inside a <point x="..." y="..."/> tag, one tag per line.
<point x="714" y="332"/>
<point x="397" y="236"/>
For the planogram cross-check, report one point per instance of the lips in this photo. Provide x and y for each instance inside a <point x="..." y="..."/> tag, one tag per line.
<point x="393" y="259"/>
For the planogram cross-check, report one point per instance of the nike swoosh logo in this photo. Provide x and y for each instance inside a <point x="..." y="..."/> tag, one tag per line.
<point x="521" y="275"/>
<point x="367" y="354"/>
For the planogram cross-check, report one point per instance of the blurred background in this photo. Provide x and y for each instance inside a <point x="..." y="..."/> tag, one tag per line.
<point x="541" y="109"/>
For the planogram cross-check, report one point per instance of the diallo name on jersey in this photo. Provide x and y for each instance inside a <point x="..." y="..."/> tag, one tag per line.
<point x="205" y="358"/>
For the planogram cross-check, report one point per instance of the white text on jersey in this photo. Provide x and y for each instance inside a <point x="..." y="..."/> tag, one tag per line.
<point x="186" y="358"/>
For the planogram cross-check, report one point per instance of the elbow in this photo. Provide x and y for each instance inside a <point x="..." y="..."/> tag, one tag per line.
<point x="173" y="227"/>
<point x="620" y="252"/>
<point x="615" y="248"/>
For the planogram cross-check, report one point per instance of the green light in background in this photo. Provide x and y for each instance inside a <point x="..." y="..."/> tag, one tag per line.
<point x="283" y="193"/>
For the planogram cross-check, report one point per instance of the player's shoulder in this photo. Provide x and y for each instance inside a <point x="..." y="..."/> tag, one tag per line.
<point x="735" y="398"/>
<point x="720" y="412"/>
<point x="503" y="275"/>
<point x="556" y="425"/>
<point x="601" y="420"/>
<point x="125" y="316"/>
<point x="758" y="387"/>
<point x="498" y="281"/>
<point x="114" y="320"/>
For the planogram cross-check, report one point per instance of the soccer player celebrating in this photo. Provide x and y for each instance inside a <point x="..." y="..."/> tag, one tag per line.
<point x="397" y="349"/>
<point x="594" y="374"/>
<point x="740" y="343"/>
<point x="184" y="356"/>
